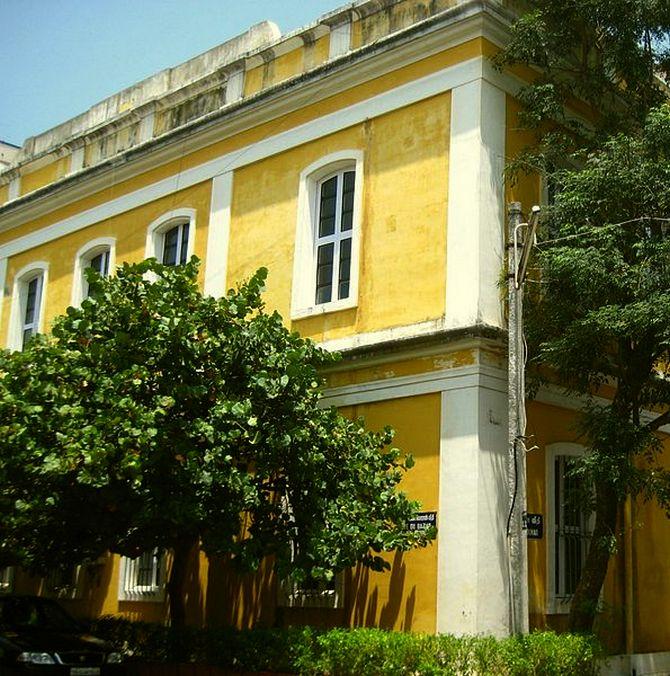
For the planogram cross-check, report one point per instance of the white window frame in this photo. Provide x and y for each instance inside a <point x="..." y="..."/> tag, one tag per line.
<point x="7" y="579"/>
<point x="130" y="590"/>
<point x="291" y="595"/>
<point x="19" y="296"/>
<point x="303" y="295"/>
<point x="82" y="261"/>
<point x="157" y="229"/>
<point x="556" y="605"/>
<point x="58" y="587"/>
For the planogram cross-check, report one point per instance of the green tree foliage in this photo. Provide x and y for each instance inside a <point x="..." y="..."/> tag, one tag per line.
<point x="600" y="319"/>
<point x="156" y="417"/>
<point x="610" y="55"/>
<point x="600" y="315"/>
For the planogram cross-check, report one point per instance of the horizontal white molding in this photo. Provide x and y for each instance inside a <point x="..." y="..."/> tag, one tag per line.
<point x="385" y="335"/>
<point x="554" y="396"/>
<point x="460" y="377"/>
<point x="404" y="95"/>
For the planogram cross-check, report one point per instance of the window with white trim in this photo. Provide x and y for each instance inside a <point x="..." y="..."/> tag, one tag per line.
<point x="63" y="583"/>
<point x="98" y="255"/>
<point x="170" y="238"/>
<point x="570" y="525"/>
<point x="312" y="593"/>
<point x="7" y="580"/>
<point x="326" y="258"/>
<point x="142" y="578"/>
<point x="27" y="311"/>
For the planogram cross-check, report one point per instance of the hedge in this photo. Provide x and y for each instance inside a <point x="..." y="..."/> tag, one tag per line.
<point x="355" y="652"/>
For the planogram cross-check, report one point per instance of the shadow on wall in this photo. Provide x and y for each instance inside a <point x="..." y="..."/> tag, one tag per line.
<point x="242" y="600"/>
<point x="364" y="608"/>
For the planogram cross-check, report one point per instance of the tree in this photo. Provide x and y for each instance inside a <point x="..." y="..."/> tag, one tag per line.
<point x="600" y="316"/>
<point x="156" y="417"/>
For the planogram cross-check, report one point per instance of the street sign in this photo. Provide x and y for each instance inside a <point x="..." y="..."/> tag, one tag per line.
<point x="534" y="525"/>
<point x="423" y="521"/>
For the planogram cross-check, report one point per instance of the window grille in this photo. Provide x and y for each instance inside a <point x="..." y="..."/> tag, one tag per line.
<point x="572" y="527"/>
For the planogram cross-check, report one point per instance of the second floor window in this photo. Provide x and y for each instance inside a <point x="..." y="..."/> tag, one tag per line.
<point x="175" y="245"/>
<point x="31" y="308"/>
<point x="333" y="236"/>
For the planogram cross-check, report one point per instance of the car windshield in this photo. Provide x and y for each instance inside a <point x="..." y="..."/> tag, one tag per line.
<point x="19" y="613"/>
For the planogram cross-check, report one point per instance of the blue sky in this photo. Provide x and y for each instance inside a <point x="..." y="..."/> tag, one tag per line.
<point x="58" y="57"/>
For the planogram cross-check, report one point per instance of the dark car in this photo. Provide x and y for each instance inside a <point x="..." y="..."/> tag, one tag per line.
<point x="38" y="637"/>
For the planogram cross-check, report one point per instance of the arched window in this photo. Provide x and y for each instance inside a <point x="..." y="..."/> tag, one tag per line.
<point x="171" y="237"/>
<point x="98" y="254"/>
<point x="28" y="300"/>
<point x="328" y="235"/>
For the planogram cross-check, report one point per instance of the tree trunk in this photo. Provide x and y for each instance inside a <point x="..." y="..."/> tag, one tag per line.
<point x="177" y="582"/>
<point x="585" y="601"/>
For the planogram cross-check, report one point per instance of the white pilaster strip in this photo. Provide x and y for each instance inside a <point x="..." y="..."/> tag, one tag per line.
<point x="216" y="263"/>
<point x="77" y="159"/>
<point x="146" y="130"/>
<point x="475" y="218"/>
<point x="340" y="40"/>
<point x="235" y="86"/>
<point x="3" y="284"/>
<point x="14" y="189"/>
<point x="472" y="596"/>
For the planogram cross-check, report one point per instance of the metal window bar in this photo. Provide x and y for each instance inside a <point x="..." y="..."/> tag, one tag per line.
<point x="573" y="534"/>
<point x="143" y="574"/>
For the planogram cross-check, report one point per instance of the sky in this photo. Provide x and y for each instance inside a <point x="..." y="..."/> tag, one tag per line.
<point x="59" y="57"/>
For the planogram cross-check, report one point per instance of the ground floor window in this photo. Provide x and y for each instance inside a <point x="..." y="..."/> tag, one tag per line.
<point x="142" y="578"/>
<point x="570" y="527"/>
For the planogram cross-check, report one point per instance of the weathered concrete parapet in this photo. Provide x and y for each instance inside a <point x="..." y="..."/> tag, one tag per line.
<point x="151" y="89"/>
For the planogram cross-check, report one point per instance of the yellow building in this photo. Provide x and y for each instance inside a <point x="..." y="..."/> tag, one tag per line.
<point x="361" y="160"/>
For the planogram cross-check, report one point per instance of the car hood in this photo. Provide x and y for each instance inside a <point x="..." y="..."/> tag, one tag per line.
<point x="39" y="640"/>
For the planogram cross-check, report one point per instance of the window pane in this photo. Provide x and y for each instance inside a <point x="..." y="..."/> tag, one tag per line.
<point x="348" y="200"/>
<point x="344" y="269"/>
<point x="170" y="244"/>
<point x="324" y="273"/>
<point x="184" y="243"/>
<point x="327" y="207"/>
<point x="27" y="335"/>
<point x="100" y="263"/>
<point x="31" y="301"/>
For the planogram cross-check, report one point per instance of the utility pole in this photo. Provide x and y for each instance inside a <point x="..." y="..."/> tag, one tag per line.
<point x="517" y="261"/>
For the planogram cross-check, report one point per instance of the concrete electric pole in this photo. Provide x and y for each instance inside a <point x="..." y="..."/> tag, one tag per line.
<point x="518" y="253"/>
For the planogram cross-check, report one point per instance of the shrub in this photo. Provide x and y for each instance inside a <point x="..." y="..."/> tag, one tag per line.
<point x="355" y="652"/>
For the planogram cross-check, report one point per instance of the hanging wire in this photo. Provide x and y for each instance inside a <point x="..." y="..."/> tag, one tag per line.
<point x="599" y="229"/>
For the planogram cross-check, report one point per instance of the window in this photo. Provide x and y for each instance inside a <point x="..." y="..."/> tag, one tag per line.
<point x="98" y="255"/>
<point x="327" y="235"/>
<point x="175" y="245"/>
<point x="312" y="594"/>
<point x="142" y="578"/>
<point x="63" y="583"/>
<point x="27" y="304"/>
<point x="569" y="528"/>
<point x="6" y="580"/>
<point x="171" y="237"/>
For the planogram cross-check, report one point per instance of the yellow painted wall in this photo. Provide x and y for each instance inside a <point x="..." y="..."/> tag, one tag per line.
<point x="44" y="175"/>
<point x="549" y="425"/>
<point x="4" y="193"/>
<point x="129" y="229"/>
<point x="651" y="582"/>
<point x="405" y="597"/>
<point x="403" y="221"/>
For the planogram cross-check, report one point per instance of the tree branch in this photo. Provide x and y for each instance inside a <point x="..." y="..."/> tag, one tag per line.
<point x="662" y="419"/>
